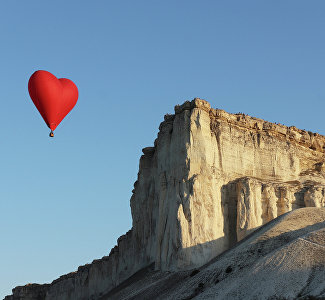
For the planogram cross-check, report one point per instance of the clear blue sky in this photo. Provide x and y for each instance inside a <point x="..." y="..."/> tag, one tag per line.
<point x="64" y="201"/>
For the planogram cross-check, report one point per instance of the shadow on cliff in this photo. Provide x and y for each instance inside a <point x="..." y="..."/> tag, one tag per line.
<point x="152" y="284"/>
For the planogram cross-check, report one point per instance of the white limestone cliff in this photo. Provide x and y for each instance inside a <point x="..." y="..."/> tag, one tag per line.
<point x="210" y="180"/>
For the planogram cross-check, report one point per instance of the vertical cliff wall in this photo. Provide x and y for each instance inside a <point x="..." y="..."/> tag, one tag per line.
<point x="210" y="179"/>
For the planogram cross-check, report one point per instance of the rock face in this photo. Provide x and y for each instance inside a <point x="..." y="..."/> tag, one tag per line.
<point x="210" y="180"/>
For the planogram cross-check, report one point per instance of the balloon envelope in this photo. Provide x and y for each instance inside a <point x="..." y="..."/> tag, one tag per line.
<point x="54" y="98"/>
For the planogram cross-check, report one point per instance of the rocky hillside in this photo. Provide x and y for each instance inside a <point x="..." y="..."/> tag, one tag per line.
<point x="210" y="179"/>
<point x="284" y="259"/>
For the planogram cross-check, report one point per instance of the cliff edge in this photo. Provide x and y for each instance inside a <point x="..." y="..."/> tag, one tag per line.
<point x="210" y="179"/>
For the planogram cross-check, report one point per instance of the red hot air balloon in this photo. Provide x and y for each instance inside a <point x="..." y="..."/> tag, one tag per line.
<point x="54" y="98"/>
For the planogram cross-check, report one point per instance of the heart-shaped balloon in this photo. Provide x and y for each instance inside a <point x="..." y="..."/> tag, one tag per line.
<point x="54" y="98"/>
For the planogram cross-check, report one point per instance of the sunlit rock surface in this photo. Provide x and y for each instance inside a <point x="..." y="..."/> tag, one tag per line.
<point x="210" y="179"/>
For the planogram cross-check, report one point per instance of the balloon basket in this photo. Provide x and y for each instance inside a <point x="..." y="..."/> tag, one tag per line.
<point x="51" y="134"/>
